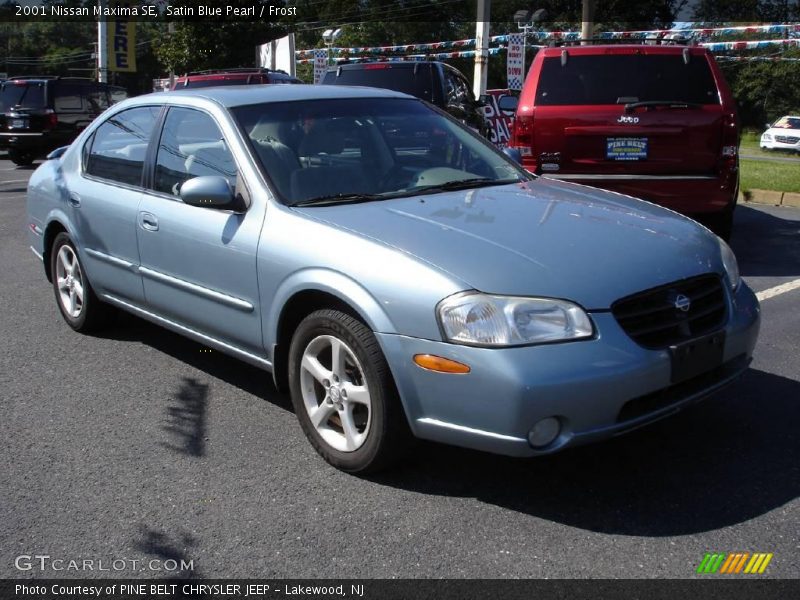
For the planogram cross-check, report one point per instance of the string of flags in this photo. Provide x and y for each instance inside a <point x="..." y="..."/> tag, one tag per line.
<point x="785" y="29"/>
<point x="713" y="47"/>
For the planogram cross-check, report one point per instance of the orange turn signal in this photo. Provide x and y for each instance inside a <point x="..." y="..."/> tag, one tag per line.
<point x="442" y="365"/>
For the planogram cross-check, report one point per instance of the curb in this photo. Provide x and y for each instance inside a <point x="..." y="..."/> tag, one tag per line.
<point x="771" y="197"/>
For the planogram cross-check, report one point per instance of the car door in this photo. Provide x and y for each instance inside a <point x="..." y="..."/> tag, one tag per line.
<point x="199" y="263"/>
<point x="103" y="199"/>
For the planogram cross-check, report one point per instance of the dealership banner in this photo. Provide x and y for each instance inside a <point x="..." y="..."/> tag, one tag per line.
<point x="121" y="42"/>
<point x="320" y="64"/>
<point x="515" y="61"/>
<point x="108" y="588"/>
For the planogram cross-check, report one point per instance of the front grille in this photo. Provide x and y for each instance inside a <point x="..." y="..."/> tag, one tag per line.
<point x="675" y="394"/>
<point x="654" y="318"/>
<point x="786" y="139"/>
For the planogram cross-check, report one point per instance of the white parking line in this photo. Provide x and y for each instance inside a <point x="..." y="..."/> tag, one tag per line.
<point x="14" y="181"/>
<point x="778" y="290"/>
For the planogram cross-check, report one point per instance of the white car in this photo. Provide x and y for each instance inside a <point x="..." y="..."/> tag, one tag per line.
<point x="783" y="134"/>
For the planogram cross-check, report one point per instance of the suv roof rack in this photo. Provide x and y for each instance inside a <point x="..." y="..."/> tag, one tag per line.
<point x="235" y="70"/>
<point x="665" y="40"/>
<point x="47" y="77"/>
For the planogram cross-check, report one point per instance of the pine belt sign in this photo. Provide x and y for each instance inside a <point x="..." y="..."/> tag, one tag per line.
<point x="121" y="43"/>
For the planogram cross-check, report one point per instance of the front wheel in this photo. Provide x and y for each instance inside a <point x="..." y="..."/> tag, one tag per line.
<point x="343" y="393"/>
<point x="76" y="300"/>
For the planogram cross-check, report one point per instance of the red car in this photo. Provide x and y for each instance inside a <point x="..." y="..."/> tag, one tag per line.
<point x="242" y="76"/>
<point x="655" y="122"/>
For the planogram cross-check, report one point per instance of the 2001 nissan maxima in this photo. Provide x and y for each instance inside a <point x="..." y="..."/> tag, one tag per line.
<point x="390" y="268"/>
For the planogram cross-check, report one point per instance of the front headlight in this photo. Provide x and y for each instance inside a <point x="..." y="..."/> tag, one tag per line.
<point x="485" y="320"/>
<point x="729" y="263"/>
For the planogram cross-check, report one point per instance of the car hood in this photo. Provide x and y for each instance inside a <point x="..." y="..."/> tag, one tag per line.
<point x="542" y="238"/>
<point x="782" y="131"/>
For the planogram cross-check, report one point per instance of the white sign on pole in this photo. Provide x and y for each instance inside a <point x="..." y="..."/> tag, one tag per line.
<point x="320" y="64"/>
<point x="278" y="54"/>
<point x="515" y="61"/>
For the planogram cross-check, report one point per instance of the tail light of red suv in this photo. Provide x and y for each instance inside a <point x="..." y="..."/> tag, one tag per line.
<point x="522" y="139"/>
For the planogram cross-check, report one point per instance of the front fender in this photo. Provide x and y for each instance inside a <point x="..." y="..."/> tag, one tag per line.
<point x="334" y="283"/>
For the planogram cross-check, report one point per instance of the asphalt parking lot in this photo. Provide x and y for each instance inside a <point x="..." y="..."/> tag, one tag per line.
<point x="139" y="445"/>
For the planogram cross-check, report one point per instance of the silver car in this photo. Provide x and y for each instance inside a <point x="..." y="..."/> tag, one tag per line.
<point x="392" y="270"/>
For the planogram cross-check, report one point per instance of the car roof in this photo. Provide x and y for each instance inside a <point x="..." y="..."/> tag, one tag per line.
<point x="243" y="95"/>
<point x="406" y="64"/>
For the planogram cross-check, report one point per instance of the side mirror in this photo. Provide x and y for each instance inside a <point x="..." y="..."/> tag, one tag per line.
<point x="768" y="125"/>
<point x="513" y="154"/>
<point x="484" y="99"/>
<point x="57" y="153"/>
<point x="508" y="104"/>
<point x="210" y="191"/>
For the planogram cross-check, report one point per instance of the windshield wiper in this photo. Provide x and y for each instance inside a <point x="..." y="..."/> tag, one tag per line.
<point x="462" y="184"/>
<point x="337" y="199"/>
<point x="668" y="103"/>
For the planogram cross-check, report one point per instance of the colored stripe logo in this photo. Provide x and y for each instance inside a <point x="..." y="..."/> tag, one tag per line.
<point x="735" y="563"/>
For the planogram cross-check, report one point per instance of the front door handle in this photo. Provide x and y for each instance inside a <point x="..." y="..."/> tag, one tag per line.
<point x="148" y="221"/>
<point x="74" y="200"/>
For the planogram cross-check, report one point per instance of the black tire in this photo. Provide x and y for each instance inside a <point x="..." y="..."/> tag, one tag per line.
<point x="21" y="158"/>
<point x="386" y="435"/>
<point x="93" y="314"/>
<point x="721" y="223"/>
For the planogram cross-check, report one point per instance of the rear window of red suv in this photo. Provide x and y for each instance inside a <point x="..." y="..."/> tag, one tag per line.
<point x="623" y="78"/>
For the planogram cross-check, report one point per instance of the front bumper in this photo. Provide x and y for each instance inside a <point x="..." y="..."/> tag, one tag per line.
<point x="597" y="388"/>
<point x="776" y="145"/>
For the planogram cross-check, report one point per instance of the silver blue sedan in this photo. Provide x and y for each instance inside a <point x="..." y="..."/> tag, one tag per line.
<point x="390" y="268"/>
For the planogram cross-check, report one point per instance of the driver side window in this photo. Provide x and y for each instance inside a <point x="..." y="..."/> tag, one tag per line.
<point x="191" y="146"/>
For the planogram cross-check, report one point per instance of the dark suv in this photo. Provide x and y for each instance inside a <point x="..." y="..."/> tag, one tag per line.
<point x="435" y="82"/>
<point x="241" y="76"/>
<point x="40" y="114"/>
<point x="652" y="121"/>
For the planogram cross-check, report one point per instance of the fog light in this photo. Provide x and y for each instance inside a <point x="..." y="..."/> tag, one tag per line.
<point x="544" y="432"/>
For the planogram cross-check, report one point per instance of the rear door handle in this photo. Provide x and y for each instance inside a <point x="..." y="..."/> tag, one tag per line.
<point x="148" y="221"/>
<point x="74" y="199"/>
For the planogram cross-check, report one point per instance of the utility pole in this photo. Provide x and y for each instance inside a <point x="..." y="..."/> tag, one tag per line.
<point x="587" y="21"/>
<point x="481" y="47"/>
<point x="102" y="44"/>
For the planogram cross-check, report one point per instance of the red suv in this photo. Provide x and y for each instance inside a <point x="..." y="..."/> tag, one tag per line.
<point x="655" y="122"/>
<point x="242" y="76"/>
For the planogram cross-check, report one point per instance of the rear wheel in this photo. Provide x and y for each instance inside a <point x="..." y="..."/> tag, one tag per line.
<point x="76" y="300"/>
<point x="21" y="158"/>
<point x="343" y="393"/>
<point x="721" y="223"/>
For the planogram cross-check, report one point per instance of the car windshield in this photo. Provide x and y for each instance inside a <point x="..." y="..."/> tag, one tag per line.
<point x="626" y="78"/>
<point x="358" y="149"/>
<point x="787" y="123"/>
<point x="25" y="94"/>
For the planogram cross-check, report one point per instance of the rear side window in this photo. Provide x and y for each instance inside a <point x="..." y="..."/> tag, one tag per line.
<point x="25" y="94"/>
<point x="389" y="77"/>
<point x="120" y="145"/>
<point x="69" y="96"/>
<point x="619" y="79"/>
